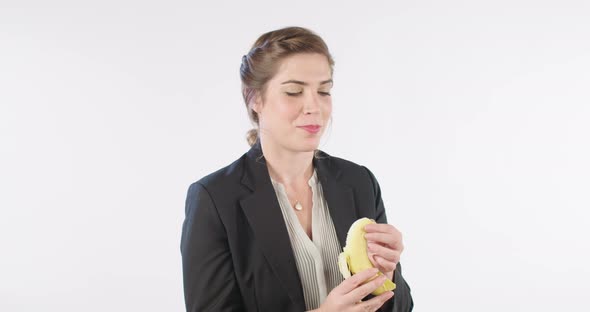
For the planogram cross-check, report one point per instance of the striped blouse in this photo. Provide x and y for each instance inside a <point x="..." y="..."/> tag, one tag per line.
<point x="317" y="260"/>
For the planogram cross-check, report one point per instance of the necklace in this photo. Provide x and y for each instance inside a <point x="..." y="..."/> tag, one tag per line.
<point x="298" y="205"/>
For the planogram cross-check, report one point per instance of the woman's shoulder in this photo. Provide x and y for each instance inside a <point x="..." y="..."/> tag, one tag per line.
<point x="343" y="164"/>
<point x="349" y="171"/>
<point x="223" y="176"/>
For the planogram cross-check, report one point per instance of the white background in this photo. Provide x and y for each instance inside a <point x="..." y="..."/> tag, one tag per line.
<point x="473" y="115"/>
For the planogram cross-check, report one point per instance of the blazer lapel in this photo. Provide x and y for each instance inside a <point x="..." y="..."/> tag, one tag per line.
<point x="264" y="215"/>
<point x="338" y="196"/>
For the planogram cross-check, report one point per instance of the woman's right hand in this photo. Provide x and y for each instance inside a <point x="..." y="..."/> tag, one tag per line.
<point x="347" y="296"/>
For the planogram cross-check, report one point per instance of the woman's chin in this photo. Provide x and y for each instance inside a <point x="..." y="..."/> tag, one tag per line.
<point x="310" y="145"/>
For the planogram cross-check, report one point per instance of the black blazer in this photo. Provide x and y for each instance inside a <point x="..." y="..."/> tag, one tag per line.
<point x="236" y="252"/>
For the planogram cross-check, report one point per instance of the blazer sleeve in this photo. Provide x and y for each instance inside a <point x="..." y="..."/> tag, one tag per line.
<point x="208" y="275"/>
<point x="402" y="299"/>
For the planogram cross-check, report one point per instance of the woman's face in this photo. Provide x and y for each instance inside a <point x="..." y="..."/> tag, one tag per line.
<point x="297" y="103"/>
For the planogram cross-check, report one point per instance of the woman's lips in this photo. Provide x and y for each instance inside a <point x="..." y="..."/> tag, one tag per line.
<point x="311" y="128"/>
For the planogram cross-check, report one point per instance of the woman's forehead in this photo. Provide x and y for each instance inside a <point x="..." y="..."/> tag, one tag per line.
<point x="304" y="69"/>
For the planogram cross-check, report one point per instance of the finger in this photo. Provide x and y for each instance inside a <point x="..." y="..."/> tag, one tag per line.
<point x="381" y="228"/>
<point x="356" y="280"/>
<point x="383" y="252"/>
<point x="374" y="303"/>
<point x="363" y="290"/>
<point x="391" y="240"/>
<point x="386" y="266"/>
<point x="383" y="237"/>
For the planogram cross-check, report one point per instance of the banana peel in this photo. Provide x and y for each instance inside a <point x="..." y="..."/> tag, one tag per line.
<point x="354" y="257"/>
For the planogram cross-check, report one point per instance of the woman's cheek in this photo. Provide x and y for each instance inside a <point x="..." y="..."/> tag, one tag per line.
<point x="328" y="110"/>
<point x="288" y="107"/>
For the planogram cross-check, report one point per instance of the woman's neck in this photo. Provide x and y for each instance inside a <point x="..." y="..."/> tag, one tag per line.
<point x="287" y="167"/>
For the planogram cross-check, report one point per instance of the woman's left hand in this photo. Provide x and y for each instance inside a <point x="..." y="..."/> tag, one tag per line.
<point x="384" y="244"/>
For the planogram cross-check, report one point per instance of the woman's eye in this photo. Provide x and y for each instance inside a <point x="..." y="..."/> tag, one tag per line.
<point x="299" y="93"/>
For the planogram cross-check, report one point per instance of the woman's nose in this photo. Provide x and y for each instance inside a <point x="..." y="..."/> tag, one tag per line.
<point x="312" y="104"/>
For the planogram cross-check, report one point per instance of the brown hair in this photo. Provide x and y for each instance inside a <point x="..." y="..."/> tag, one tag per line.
<point x="263" y="60"/>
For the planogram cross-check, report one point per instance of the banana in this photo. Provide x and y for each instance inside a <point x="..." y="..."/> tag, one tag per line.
<point x="355" y="258"/>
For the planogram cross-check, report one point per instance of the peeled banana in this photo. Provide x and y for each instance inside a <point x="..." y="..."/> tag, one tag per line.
<point x="355" y="258"/>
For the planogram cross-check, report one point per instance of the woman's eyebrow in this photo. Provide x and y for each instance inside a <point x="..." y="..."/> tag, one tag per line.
<point x="305" y="83"/>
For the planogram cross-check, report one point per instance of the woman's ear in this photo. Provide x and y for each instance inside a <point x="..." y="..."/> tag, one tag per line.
<point x="256" y="104"/>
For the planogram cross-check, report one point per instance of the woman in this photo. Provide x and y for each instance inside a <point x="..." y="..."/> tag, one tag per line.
<point x="264" y="233"/>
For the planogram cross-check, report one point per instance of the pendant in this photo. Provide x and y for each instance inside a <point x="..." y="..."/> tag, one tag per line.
<point x="298" y="206"/>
